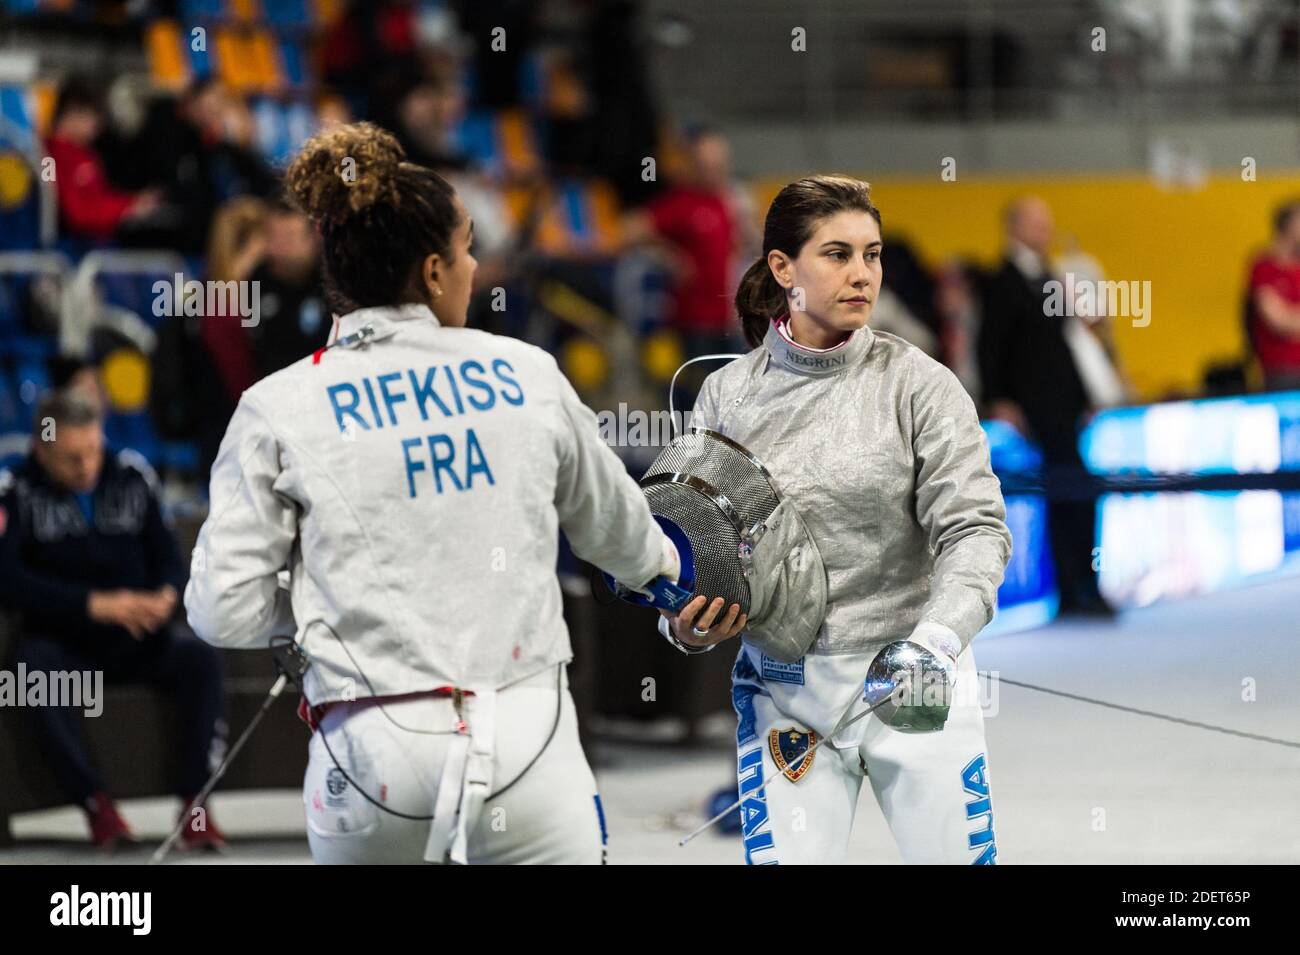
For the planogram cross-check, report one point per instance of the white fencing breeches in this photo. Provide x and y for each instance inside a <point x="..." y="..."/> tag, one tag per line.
<point x="933" y="788"/>
<point x="408" y="756"/>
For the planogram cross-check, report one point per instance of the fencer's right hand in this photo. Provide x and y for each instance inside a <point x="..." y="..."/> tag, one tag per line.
<point x="702" y="612"/>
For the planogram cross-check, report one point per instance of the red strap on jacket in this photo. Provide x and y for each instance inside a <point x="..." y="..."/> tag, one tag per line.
<point x="312" y="715"/>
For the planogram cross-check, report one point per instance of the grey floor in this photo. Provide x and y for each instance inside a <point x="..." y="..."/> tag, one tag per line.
<point x="1072" y="782"/>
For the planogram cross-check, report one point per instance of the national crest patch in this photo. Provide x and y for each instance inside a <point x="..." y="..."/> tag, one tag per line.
<point x="787" y="746"/>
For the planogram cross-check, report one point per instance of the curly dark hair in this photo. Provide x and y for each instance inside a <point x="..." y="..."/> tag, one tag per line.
<point x="379" y="216"/>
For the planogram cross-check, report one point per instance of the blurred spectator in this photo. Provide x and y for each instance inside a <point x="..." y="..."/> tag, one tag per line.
<point x="88" y="562"/>
<point x="624" y="113"/>
<point x="90" y="207"/>
<point x="891" y="314"/>
<point x="200" y="149"/>
<point x="364" y="45"/>
<point x="694" y="223"/>
<point x="1031" y="379"/>
<point x="907" y="277"/>
<point x="292" y="318"/>
<point x="332" y="109"/>
<point x="202" y="363"/>
<point x="236" y="248"/>
<point x="425" y="114"/>
<point x="1273" y="309"/>
<point x="1090" y="332"/>
<point x="957" y="303"/>
<point x="79" y="377"/>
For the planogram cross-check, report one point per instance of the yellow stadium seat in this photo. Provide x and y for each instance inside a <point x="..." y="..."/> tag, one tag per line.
<point x="585" y="363"/>
<point x="15" y="181"/>
<point x="125" y="374"/>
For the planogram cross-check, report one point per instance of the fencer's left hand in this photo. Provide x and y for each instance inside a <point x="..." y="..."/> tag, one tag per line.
<point x="701" y="613"/>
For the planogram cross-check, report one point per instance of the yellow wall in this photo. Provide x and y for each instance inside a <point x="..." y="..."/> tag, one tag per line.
<point x="1193" y="246"/>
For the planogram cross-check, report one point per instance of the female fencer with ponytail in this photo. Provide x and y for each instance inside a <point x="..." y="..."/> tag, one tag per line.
<point x="882" y="453"/>
<point x="411" y="477"/>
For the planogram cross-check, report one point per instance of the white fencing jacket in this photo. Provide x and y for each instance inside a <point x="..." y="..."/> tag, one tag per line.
<point x="412" y="479"/>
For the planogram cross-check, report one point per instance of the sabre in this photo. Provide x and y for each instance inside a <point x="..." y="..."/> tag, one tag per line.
<point x="842" y="725"/>
<point x="291" y="668"/>
<point x="161" y="852"/>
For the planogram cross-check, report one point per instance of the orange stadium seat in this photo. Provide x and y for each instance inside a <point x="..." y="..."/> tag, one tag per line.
<point x="265" y="61"/>
<point x="516" y="144"/>
<point x="580" y="218"/>
<point x="328" y="11"/>
<point x="43" y="96"/>
<point x="244" y="11"/>
<point x="165" y="48"/>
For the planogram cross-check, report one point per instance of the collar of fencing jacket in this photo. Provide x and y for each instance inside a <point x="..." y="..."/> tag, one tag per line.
<point x="382" y="322"/>
<point x="790" y="354"/>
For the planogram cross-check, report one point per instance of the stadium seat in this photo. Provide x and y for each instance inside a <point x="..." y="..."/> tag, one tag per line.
<point x="581" y="218"/>
<point x="287" y="14"/>
<point x="165" y="48"/>
<point x="243" y="11"/>
<point x="31" y="372"/>
<point x="20" y="203"/>
<point x="11" y="416"/>
<point x="293" y="63"/>
<point x="17" y="121"/>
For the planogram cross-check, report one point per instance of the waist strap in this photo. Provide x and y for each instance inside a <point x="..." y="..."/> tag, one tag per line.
<point x="312" y="715"/>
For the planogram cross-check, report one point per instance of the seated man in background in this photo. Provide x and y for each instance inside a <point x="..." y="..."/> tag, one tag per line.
<point x="87" y="561"/>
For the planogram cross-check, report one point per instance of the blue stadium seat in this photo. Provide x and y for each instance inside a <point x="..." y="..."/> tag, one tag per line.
<point x="201" y="61"/>
<point x="31" y="374"/>
<point x="294" y="61"/>
<point x="180" y="456"/>
<point x="13" y="291"/>
<point x="20" y="224"/>
<point x="287" y="14"/>
<point x="11" y="459"/>
<point x="133" y="292"/>
<point x="18" y="128"/>
<point x="134" y="431"/>
<point x="272" y="128"/>
<point x="11" y="416"/>
<point x="476" y="135"/>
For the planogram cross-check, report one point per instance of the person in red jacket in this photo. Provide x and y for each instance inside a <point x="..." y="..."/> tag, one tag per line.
<point x="90" y="206"/>
<point x="1274" y="303"/>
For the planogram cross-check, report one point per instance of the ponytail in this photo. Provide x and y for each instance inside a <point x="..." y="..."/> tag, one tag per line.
<point x="759" y="299"/>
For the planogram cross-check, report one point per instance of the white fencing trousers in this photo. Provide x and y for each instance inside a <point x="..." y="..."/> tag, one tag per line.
<point x="933" y="788"/>
<point x="407" y="755"/>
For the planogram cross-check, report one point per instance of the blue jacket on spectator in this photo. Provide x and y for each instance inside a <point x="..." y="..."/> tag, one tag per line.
<point x="56" y="547"/>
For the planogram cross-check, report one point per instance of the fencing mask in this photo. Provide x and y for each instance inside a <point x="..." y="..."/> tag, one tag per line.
<point x="738" y="540"/>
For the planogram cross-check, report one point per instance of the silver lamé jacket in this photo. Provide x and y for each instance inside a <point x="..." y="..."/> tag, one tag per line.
<point x="881" y="450"/>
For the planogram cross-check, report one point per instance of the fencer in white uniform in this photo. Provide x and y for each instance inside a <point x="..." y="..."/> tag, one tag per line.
<point x="881" y="451"/>
<point x="412" y="479"/>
